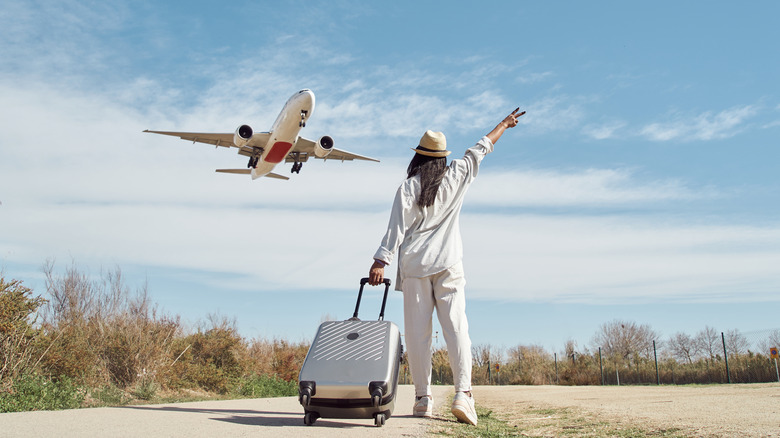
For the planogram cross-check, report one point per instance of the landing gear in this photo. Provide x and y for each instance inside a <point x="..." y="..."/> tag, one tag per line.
<point x="296" y="168"/>
<point x="252" y="162"/>
<point x="302" y="123"/>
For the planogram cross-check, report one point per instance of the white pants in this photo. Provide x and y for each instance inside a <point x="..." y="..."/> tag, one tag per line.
<point x="444" y="292"/>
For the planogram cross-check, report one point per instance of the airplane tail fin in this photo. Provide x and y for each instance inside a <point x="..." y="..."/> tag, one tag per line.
<point x="274" y="175"/>
<point x="249" y="172"/>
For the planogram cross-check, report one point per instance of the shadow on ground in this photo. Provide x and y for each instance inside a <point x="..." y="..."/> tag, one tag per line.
<point x="250" y="417"/>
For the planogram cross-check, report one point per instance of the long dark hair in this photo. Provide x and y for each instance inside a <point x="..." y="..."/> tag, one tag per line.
<point x="431" y="171"/>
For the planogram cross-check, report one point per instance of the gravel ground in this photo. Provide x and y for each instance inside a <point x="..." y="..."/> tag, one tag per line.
<point x="701" y="411"/>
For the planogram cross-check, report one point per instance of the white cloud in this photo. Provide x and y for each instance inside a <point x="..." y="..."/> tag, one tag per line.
<point x="532" y="78"/>
<point x="618" y="259"/>
<point x="263" y="249"/>
<point x="515" y="257"/>
<point x="551" y="114"/>
<point x="585" y="188"/>
<point x="603" y="131"/>
<point x="706" y="126"/>
<point x="59" y="38"/>
<point x="771" y="124"/>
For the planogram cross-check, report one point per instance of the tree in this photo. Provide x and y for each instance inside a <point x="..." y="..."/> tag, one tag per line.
<point x="772" y="341"/>
<point x="736" y="342"/>
<point x="534" y="364"/>
<point x="709" y="342"/>
<point x="484" y="356"/>
<point x="481" y="354"/>
<point x="625" y="340"/>
<point x="684" y="347"/>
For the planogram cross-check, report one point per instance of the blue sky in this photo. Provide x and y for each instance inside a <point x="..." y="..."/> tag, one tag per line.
<point x="642" y="184"/>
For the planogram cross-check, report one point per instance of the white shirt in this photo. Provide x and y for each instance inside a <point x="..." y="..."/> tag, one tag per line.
<point x="428" y="239"/>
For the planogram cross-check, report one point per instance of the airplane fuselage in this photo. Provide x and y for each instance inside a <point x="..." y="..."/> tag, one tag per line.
<point x="284" y="132"/>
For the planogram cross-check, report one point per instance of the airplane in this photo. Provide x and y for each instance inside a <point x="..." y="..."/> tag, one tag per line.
<point x="282" y="143"/>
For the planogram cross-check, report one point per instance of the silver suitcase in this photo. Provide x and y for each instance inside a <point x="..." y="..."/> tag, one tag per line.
<point x="351" y="369"/>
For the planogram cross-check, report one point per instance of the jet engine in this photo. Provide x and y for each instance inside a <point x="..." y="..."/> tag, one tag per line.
<point x="323" y="146"/>
<point x="242" y="135"/>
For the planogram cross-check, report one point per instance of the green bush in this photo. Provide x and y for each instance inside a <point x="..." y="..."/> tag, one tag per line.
<point x="20" y="346"/>
<point x="145" y="389"/>
<point x="38" y="393"/>
<point x="108" y="395"/>
<point x="256" y="386"/>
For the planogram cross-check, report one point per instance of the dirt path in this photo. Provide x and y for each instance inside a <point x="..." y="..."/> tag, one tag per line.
<point x="277" y="417"/>
<point x="703" y="411"/>
<point x="699" y="411"/>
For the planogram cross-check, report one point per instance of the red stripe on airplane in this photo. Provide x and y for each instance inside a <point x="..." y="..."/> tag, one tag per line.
<point x="278" y="152"/>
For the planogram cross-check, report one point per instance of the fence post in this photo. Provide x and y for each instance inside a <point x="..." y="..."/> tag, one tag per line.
<point x="601" y="367"/>
<point x="726" y="356"/>
<point x="657" y="376"/>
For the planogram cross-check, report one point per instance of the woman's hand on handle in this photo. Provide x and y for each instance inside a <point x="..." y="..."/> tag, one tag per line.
<point x="376" y="274"/>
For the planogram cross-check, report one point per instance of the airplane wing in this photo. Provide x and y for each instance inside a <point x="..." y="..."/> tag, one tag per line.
<point x="306" y="146"/>
<point x="259" y="139"/>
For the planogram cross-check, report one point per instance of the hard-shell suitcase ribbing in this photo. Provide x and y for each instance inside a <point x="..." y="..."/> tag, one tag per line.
<point x="351" y="369"/>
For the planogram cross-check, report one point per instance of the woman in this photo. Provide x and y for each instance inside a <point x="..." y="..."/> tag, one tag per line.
<point x="424" y="229"/>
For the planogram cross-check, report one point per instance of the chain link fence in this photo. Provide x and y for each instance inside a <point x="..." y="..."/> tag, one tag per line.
<point x="707" y="358"/>
<point x="736" y="358"/>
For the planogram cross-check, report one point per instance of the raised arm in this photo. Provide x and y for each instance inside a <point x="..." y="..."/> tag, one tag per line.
<point x="509" y="121"/>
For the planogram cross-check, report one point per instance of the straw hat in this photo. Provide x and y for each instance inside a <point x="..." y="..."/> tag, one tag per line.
<point x="433" y="144"/>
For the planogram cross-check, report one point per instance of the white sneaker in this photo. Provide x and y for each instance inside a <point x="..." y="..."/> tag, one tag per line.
<point x="423" y="407"/>
<point x="463" y="408"/>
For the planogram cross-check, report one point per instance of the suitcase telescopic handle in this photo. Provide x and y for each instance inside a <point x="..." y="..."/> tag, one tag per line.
<point x="363" y="282"/>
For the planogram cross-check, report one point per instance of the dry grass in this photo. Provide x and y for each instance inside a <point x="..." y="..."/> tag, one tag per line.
<point x="543" y="422"/>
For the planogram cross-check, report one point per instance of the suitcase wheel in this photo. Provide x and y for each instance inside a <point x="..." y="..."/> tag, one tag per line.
<point x="310" y="417"/>
<point x="379" y="420"/>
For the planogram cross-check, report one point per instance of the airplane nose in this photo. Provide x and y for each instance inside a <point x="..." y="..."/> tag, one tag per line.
<point x="307" y="94"/>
